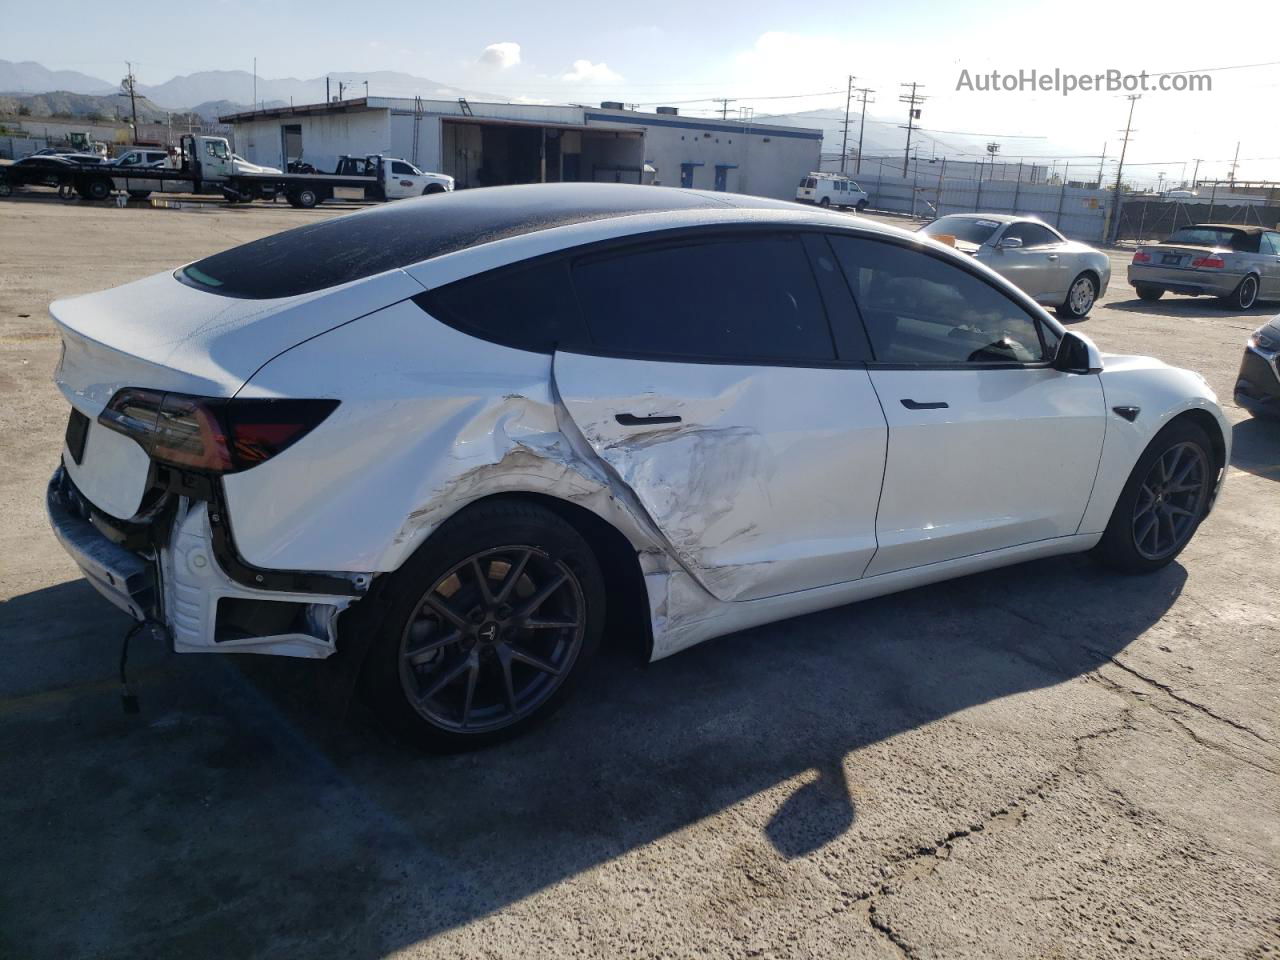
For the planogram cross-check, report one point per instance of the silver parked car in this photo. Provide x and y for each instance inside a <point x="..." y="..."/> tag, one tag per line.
<point x="1239" y="264"/>
<point x="1057" y="272"/>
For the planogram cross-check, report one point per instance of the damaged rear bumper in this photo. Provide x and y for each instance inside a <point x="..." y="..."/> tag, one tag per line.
<point x="181" y="581"/>
<point x="125" y="578"/>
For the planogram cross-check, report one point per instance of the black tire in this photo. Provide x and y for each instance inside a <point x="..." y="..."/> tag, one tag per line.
<point x="292" y="197"/>
<point x="824" y="202"/>
<point x="432" y="188"/>
<point x="6" y="188"/>
<point x="1081" y="296"/>
<point x="1121" y="547"/>
<point x="1148" y="293"/>
<point x="479" y="633"/>
<point x="307" y="198"/>
<point x="98" y="189"/>
<point x="862" y="205"/>
<point x="1245" y="295"/>
<point x="139" y="194"/>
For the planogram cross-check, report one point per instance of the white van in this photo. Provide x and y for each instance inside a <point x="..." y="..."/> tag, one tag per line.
<point x="831" y="190"/>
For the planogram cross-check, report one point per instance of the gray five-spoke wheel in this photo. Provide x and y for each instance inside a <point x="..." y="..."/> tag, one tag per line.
<point x="492" y="639"/>
<point x="1170" y="501"/>
<point x="1081" y="296"/>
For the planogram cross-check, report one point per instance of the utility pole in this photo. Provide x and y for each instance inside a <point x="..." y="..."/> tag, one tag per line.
<point x="844" y="143"/>
<point x="341" y="84"/>
<point x="1235" y="160"/>
<point x="862" y="125"/>
<point x="1195" y="173"/>
<point x="1115" y="199"/>
<point x="255" y="83"/>
<point x="326" y="88"/>
<point x="992" y="149"/>
<point x="1101" y="161"/>
<point x="724" y="105"/>
<point x="366" y="89"/>
<point x="127" y="86"/>
<point x="913" y="101"/>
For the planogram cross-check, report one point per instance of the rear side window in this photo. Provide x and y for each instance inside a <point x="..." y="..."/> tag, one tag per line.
<point x="1031" y="234"/>
<point x="529" y="307"/>
<point x="742" y="299"/>
<point x="919" y="309"/>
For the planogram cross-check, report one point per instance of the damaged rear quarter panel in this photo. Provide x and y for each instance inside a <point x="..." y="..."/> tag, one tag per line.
<point x="430" y="420"/>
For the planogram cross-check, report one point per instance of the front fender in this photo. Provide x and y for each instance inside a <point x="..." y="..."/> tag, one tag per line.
<point x="1161" y="393"/>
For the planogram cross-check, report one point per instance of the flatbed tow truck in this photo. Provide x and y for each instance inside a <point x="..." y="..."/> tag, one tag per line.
<point x="204" y="165"/>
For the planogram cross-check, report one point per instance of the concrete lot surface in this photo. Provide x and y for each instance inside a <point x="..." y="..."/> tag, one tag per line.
<point x="1043" y="761"/>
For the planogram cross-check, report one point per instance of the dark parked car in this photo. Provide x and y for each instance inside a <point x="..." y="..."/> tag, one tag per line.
<point x="45" y="171"/>
<point x="1258" y="383"/>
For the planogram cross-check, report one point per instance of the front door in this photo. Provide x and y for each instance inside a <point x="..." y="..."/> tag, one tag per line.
<point x="1036" y="266"/>
<point x="714" y="394"/>
<point x="989" y="446"/>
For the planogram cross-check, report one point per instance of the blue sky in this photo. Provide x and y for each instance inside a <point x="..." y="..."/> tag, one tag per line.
<point x="573" y="50"/>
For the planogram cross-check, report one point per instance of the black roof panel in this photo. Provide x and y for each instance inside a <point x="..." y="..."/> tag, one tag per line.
<point x="394" y="235"/>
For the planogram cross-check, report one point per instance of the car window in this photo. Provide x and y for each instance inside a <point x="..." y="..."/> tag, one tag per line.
<point x="530" y="306"/>
<point x="1031" y="234"/>
<point x="749" y="298"/>
<point x="918" y="308"/>
<point x="967" y="229"/>
<point x="401" y="169"/>
<point x="1271" y="243"/>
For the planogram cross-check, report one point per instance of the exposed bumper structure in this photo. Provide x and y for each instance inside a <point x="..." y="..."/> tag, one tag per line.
<point x="125" y="578"/>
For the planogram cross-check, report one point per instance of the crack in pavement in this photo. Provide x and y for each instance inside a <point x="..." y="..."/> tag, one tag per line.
<point x="1168" y="690"/>
<point x="924" y="860"/>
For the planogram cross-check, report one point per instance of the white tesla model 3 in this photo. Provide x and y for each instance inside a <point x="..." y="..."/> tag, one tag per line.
<point x="469" y="436"/>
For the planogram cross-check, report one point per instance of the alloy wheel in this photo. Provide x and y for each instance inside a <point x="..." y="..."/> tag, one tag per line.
<point x="1081" y="296"/>
<point x="492" y="639"/>
<point x="1170" y="501"/>
<point x="1248" y="293"/>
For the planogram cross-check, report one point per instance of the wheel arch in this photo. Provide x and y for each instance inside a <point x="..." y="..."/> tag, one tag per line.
<point x="1213" y="430"/>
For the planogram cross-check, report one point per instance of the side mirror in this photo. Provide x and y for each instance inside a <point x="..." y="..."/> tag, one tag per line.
<point x="1009" y="243"/>
<point x="1077" y="354"/>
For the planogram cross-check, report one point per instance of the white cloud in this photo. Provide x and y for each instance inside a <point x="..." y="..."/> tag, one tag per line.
<point x="501" y="55"/>
<point x="584" y="71"/>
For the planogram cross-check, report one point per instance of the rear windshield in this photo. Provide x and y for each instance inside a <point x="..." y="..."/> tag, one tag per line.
<point x="968" y="229"/>
<point x="372" y="241"/>
<point x="1214" y="237"/>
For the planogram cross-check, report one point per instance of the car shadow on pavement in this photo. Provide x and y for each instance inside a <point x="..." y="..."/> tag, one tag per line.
<point x="226" y="821"/>
<point x="1255" y="447"/>
<point x="1195" y="306"/>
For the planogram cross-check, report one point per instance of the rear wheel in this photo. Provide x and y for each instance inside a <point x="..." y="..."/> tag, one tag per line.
<point x="98" y="189"/>
<point x="1080" y="298"/>
<point x="1148" y="292"/>
<point x="1245" y="295"/>
<point x="824" y="202"/>
<point x="1162" y="503"/>
<point x="307" y="198"/>
<point x="489" y="627"/>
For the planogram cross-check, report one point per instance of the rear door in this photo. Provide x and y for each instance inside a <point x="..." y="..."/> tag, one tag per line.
<point x="712" y="389"/>
<point x="989" y="446"/>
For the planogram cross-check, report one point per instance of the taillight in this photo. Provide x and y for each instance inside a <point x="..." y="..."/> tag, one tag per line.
<point x="1142" y="257"/>
<point x="209" y="434"/>
<point x="1213" y="263"/>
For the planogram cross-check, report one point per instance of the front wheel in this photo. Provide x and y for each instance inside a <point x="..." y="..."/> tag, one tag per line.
<point x="488" y="627"/>
<point x="6" y="188"/>
<point x="1162" y="503"/>
<point x="432" y="188"/>
<point x="1245" y="295"/>
<point x="1080" y="297"/>
<point x="862" y="205"/>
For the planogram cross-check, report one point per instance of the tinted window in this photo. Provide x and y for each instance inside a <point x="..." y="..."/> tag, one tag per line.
<point x="740" y="298"/>
<point x="403" y="169"/>
<point x="1214" y="237"/>
<point x="1271" y="243"/>
<point x="920" y="309"/>
<point x="529" y="307"/>
<point x="1031" y="234"/>
<point x="362" y="244"/>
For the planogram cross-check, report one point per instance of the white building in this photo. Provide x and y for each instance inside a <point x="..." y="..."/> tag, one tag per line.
<point x="486" y="144"/>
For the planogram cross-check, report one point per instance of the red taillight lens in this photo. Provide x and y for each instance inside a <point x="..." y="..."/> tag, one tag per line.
<point x="1213" y="263"/>
<point x="1142" y="257"/>
<point x="208" y="434"/>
